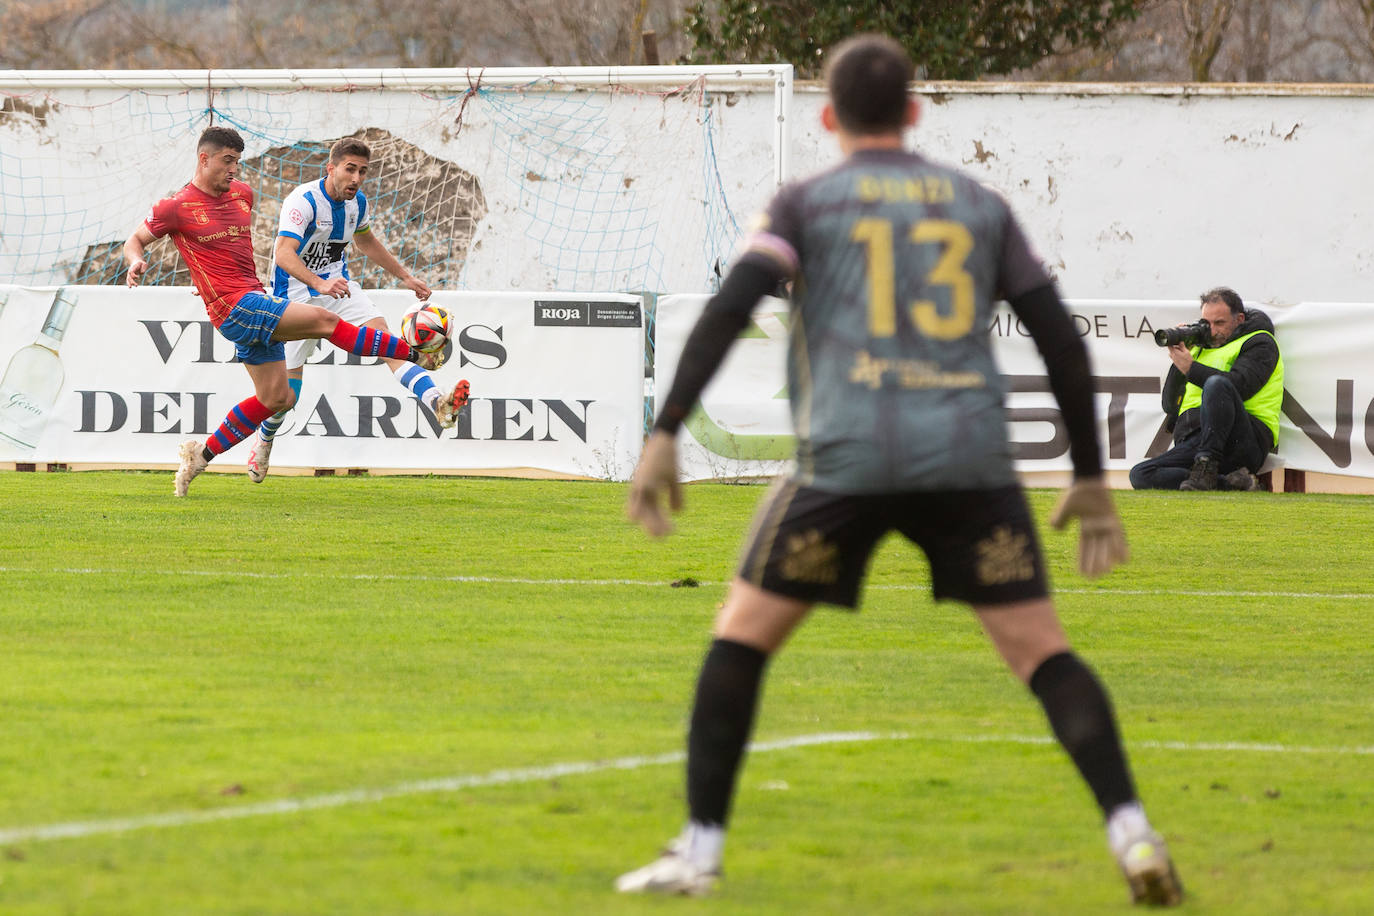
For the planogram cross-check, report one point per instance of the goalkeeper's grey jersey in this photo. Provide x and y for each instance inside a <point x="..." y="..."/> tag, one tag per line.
<point x="896" y="264"/>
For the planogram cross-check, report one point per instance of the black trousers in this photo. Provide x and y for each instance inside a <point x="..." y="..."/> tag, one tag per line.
<point x="1228" y="434"/>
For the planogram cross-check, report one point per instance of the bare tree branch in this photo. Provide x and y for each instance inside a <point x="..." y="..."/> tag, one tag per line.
<point x="1205" y="23"/>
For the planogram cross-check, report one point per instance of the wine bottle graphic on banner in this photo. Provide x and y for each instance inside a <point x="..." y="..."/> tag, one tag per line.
<point x="29" y="387"/>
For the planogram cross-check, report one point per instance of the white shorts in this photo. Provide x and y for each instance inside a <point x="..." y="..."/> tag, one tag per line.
<point x="356" y="309"/>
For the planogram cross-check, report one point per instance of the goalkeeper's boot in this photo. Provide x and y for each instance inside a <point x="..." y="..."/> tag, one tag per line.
<point x="1145" y="863"/>
<point x="193" y="461"/>
<point x="673" y="874"/>
<point x="1202" y="475"/>
<point x="259" y="457"/>
<point x="450" y="405"/>
<point x="429" y="359"/>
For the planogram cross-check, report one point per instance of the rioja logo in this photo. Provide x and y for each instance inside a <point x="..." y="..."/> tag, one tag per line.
<point x="586" y="314"/>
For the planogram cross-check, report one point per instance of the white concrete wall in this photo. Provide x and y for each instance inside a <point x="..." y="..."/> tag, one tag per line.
<point x="1163" y="192"/>
<point x="1129" y="192"/>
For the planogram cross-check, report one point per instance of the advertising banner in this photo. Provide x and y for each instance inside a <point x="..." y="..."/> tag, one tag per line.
<point x="122" y="376"/>
<point x="742" y="427"/>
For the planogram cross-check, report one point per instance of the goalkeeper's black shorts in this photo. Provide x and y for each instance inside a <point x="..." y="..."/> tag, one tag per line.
<point x="814" y="546"/>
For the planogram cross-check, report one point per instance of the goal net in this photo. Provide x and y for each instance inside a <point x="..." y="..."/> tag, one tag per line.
<point x="575" y="179"/>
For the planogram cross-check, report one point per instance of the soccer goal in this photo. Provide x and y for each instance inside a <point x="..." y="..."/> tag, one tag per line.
<point x="532" y="179"/>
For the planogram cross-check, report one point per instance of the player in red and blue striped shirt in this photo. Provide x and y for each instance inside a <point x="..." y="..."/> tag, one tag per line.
<point x="209" y="220"/>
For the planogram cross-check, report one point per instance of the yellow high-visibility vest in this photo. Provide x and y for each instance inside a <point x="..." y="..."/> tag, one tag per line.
<point x="1264" y="404"/>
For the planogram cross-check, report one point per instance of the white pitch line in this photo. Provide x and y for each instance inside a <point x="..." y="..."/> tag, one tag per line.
<point x="650" y="583"/>
<point x="1199" y="593"/>
<point x="1161" y="592"/>
<point x="79" y="829"/>
<point x="352" y="577"/>
<point x="75" y="829"/>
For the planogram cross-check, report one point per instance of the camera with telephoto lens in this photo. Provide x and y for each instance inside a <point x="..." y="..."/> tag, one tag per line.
<point x="1192" y="335"/>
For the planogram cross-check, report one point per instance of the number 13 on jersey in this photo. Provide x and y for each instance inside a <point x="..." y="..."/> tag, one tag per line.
<point x="879" y="243"/>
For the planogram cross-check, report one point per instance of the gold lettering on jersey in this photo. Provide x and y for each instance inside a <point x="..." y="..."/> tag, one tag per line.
<point x="913" y="374"/>
<point x="868" y="371"/>
<point x="1004" y="557"/>
<point x="231" y="232"/>
<point x="930" y="189"/>
<point x="810" y="558"/>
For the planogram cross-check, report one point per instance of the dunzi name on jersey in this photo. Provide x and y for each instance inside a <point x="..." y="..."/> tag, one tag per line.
<point x="932" y="189"/>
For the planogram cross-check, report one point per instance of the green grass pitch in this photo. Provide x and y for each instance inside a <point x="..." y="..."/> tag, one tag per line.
<point x="357" y="696"/>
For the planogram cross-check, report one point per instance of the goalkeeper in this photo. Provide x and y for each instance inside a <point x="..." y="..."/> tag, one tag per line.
<point x="318" y="221"/>
<point x="896" y="263"/>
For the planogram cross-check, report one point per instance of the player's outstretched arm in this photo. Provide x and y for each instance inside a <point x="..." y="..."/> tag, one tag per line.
<point x="372" y="246"/>
<point x="134" y="249"/>
<point x="1101" y="539"/>
<point x="725" y="315"/>
<point x="1069" y="370"/>
<point x="655" y="477"/>
<point x="286" y="252"/>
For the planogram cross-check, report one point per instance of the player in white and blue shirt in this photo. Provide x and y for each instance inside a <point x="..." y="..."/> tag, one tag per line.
<point x="322" y="227"/>
<point x="319" y="220"/>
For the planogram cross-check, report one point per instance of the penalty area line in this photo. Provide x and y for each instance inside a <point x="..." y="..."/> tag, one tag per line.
<point x="507" y="777"/>
<point x="651" y="583"/>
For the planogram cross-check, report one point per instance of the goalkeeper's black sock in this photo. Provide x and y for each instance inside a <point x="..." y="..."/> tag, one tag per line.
<point x="722" y="719"/>
<point x="1081" y="715"/>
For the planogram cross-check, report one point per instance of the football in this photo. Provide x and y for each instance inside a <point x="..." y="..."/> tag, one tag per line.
<point x="427" y="327"/>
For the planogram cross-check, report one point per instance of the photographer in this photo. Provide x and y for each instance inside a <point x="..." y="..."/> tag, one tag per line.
<point x="1222" y="397"/>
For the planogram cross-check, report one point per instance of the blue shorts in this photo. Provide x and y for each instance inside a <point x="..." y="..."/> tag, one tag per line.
<point x="250" y="327"/>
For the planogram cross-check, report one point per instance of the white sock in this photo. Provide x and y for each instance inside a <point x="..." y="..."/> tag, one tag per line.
<point x="419" y="383"/>
<point x="705" y="844"/>
<point x="1126" y="823"/>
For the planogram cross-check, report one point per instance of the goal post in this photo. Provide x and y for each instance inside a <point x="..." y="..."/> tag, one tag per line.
<point x="578" y="178"/>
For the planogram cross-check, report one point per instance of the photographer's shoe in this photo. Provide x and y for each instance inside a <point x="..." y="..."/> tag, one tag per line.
<point x="1240" y="479"/>
<point x="1202" y="476"/>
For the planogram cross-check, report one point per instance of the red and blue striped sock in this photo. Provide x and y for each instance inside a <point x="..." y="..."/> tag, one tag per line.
<point x="367" y="341"/>
<point x="237" y="426"/>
